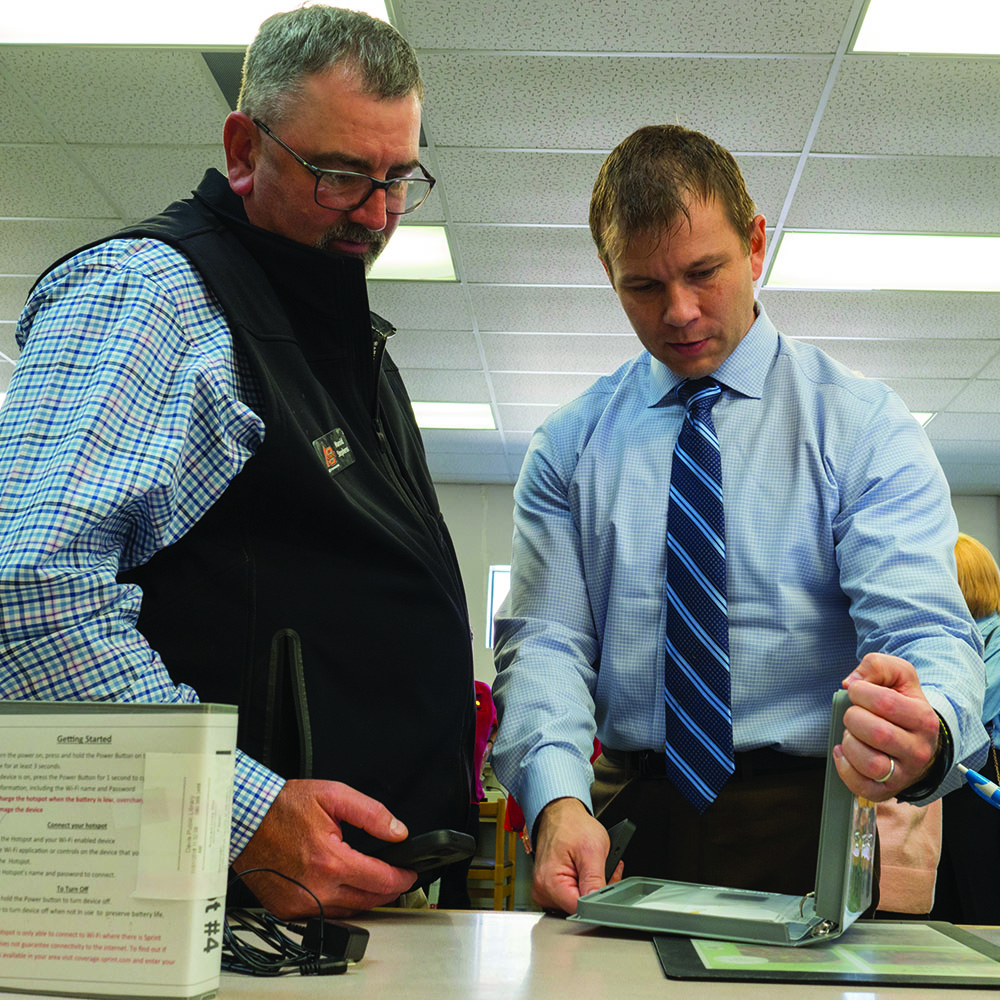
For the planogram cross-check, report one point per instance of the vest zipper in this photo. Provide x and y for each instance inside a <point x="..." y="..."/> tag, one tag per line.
<point x="389" y="457"/>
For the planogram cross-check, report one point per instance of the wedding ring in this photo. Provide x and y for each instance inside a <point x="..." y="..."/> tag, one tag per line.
<point x="892" y="771"/>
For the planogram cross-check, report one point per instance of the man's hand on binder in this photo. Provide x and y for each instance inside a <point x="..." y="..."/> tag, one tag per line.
<point x="300" y="836"/>
<point x="891" y="730"/>
<point x="570" y="853"/>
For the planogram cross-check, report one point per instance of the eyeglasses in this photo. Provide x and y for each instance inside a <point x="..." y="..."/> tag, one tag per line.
<point x="346" y="190"/>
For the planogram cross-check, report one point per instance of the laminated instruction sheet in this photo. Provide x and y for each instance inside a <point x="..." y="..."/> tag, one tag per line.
<point x="114" y="845"/>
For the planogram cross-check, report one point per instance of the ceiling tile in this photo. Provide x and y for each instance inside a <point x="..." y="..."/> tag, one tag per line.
<point x="554" y="187"/>
<point x="434" y="349"/>
<point x="882" y="314"/>
<point x="926" y="395"/>
<point x="45" y="181"/>
<point x="600" y="100"/>
<point x="158" y="95"/>
<point x="956" y="427"/>
<point x="887" y="359"/>
<point x="549" y="310"/>
<point x="143" y="180"/>
<point x="978" y="396"/>
<point x="524" y="102"/>
<point x="446" y="468"/>
<point x="921" y="194"/>
<point x="548" y="389"/>
<point x="992" y="369"/>
<point x="921" y="105"/>
<point x="525" y="419"/>
<point x="538" y="254"/>
<point x="427" y="305"/>
<point x="664" y="26"/>
<point x="34" y="244"/>
<point x="13" y="294"/>
<point x="504" y="186"/>
<point x="553" y="352"/>
<point x="8" y="345"/>
<point x="18" y="120"/>
<point x="448" y="440"/>
<point x="432" y="385"/>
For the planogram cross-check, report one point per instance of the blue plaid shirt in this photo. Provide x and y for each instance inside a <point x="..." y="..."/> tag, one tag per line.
<point x="126" y="419"/>
<point x="839" y="541"/>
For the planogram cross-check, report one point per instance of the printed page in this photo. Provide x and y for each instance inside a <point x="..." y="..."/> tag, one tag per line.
<point x="113" y="851"/>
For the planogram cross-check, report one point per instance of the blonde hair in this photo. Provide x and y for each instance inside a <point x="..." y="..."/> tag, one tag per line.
<point x="978" y="576"/>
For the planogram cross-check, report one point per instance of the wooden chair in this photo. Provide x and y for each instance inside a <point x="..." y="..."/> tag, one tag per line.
<point x="499" y="869"/>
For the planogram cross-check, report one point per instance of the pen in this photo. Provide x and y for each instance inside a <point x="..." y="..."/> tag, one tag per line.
<point x="983" y="787"/>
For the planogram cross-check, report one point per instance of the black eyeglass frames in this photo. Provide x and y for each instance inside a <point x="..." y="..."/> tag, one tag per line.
<point x="346" y="190"/>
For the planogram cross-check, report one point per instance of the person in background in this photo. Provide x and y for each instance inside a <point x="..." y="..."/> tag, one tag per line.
<point x="212" y="485"/>
<point x="968" y="885"/>
<point x="486" y="731"/>
<point x="909" y="840"/>
<point x="702" y="640"/>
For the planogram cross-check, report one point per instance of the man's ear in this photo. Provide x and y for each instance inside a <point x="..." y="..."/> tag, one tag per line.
<point x="607" y="270"/>
<point x="240" y="137"/>
<point x="758" y="244"/>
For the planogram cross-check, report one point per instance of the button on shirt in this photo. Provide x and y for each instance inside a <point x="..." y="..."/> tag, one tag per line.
<point x="840" y="539"/>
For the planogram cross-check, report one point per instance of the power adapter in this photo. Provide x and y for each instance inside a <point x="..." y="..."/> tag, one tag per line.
<point x="340" y="940"/>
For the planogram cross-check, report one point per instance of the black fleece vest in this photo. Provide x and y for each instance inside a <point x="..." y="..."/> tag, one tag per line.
<point x="320" y="593"/>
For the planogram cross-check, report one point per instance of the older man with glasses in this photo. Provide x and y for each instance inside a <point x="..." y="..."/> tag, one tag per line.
<point x="214" y="487"/>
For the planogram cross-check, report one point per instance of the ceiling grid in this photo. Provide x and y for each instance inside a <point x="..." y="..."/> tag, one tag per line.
<point x="524" y="101"/>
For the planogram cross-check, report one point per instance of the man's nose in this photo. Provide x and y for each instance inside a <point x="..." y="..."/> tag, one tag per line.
<point x="681" y="305"/>
<point x="371" y="214"/>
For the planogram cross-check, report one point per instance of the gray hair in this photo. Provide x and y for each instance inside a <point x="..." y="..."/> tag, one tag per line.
<point x="298" y="43"/>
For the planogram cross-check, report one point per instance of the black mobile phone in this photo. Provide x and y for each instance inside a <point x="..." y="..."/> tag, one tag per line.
<point x="427" y="850"/>
<point x="620" y="834"/>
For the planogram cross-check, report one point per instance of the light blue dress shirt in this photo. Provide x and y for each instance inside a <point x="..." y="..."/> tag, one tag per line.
<point x="840" y="541"/>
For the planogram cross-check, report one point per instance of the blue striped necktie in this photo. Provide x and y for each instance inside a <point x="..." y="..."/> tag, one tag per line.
<point x="699" y="721"/>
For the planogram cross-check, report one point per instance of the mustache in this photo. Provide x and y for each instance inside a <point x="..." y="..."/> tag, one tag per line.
<point x="354" y="232"/>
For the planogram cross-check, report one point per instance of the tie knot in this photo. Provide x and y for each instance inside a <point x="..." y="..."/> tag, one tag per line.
<point x="700" y="393"/>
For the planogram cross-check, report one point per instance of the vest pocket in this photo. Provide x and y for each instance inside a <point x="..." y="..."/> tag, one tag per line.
<point x="285" y="674"/>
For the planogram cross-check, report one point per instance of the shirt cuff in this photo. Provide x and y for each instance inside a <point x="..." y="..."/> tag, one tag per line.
<point x="255" y="787"/>
<point x="553" y="774"/>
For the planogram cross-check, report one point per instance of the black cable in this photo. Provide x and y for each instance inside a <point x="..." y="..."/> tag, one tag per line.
<point x="283" y="955"/>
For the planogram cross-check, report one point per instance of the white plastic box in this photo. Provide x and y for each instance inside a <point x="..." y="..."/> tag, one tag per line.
<point x="114" y="844"/>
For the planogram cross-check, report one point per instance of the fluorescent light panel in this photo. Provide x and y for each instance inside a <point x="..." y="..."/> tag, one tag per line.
<point x="125" y="22"/>
<point x="905" y="261"/>
<point x="415" y="253"/>
<point x="455" y="416"/>
<point x="958" y="27"/>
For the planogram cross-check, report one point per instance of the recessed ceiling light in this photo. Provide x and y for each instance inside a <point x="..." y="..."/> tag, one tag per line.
<point x="455" y="416"/>
<point x="902" y="261"/>
<point x="959" y="27"/>
<point x="125" y="22"/>
<point x="415" y="253"/>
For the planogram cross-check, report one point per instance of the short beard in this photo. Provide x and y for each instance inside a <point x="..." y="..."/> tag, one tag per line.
<point x="356" y="233"/>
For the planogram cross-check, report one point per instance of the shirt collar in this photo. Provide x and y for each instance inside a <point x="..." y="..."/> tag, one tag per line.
<point x="744" y="371"/>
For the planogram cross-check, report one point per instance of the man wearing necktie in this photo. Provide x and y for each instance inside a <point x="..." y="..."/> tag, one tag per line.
<point x="708" y="544"/>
